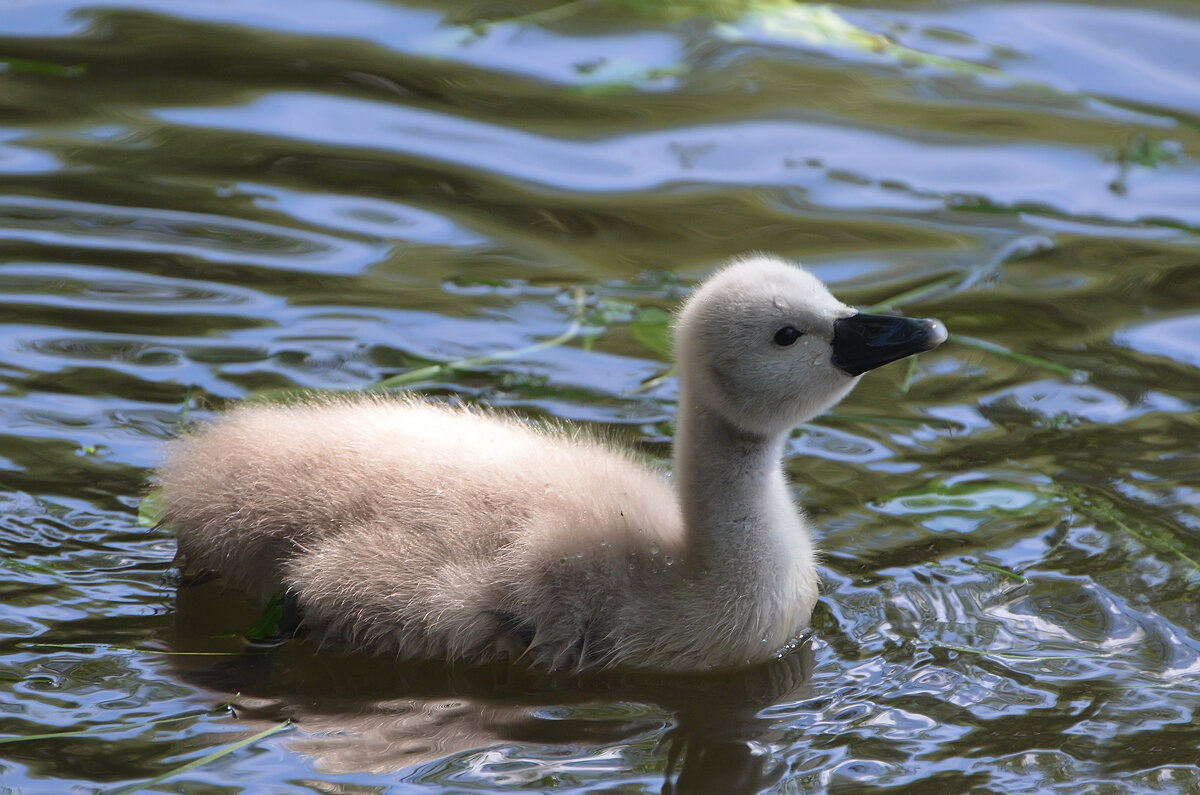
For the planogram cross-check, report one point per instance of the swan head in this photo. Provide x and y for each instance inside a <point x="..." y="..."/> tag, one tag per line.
<point x="766" y="346"/>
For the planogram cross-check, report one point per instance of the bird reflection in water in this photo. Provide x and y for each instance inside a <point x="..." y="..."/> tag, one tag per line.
<point x="372" y="715"/>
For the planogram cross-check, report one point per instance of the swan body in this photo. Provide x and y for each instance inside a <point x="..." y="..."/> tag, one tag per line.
<point x="424" y="531"/>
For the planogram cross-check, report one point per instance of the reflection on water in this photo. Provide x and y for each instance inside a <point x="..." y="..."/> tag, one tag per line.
<point x="369" y="714"/>
<point x="202" y="201"/>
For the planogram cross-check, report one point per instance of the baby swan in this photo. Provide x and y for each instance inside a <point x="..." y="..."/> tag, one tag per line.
<point x="431" y="532"/>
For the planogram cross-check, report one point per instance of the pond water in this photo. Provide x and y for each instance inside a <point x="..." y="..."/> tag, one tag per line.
<point x="204" y="201"/>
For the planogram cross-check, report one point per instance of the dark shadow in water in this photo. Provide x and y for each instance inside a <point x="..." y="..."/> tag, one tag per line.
<point x="369" y="714"/>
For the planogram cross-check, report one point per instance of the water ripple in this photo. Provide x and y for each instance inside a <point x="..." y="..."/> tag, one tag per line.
<point x="205" y="201"/>
<point x="215" y="239"/>
<point x="762" y="152"/>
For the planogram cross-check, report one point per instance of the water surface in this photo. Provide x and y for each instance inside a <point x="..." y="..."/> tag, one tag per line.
<point x="200" y="202"/>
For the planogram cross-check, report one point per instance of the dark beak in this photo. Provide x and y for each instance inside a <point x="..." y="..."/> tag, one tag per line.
<point x="864" y="342"/>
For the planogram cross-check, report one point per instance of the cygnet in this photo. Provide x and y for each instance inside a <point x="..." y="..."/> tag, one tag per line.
<point x="409" y="528"/>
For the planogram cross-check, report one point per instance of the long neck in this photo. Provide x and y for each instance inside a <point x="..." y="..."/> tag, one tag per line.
<point x="735" y="501"/>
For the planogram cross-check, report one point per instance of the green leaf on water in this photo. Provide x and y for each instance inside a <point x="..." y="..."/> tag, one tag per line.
<point x="656" y="379"/>
<point x="1022" y="358"/>
<point x="287" y="394"/>
<point x="1148" y="152"/>
<point x="1003" y="572"/>
<point x="651" y="326"/>
<point x="603" y="314"/>
<point x="267" y="626"/>
<point x="950" y="282"/>
<point x="608" y="311"/>
<point x="1141" y="151"/>
<point x="151" y="509"/>
<point x="1093" y="503"/>
<point x="909" y="374"/>
<point x="919" y="293"/>
<point x="212" y="757"/>
<point x="575" y="329"/>
<point x="436" y="370"/>
<point x="23" y="66"/>
<point x="99" y="729"/>
<point x="185" y="409"/>
<point x="26" y="566"/>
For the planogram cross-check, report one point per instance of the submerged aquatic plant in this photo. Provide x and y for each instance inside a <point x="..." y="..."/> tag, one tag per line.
<point x="778" y="22"/>
<point x="1141" y="152"/>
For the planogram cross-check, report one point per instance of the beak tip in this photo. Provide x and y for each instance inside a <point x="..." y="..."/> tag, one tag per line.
<point x="937" y="333"/>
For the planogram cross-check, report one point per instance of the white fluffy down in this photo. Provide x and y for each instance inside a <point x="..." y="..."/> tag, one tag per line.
<point x="432" y="532"/>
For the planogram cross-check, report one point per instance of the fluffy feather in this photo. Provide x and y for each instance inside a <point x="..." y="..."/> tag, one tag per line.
<point x="433" y="532"/>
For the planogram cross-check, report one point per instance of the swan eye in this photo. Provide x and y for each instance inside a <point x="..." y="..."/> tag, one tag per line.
<point x="787" y="336"/>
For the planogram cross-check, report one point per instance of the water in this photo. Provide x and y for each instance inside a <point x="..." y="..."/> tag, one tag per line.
<point x="201" y="201"/>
